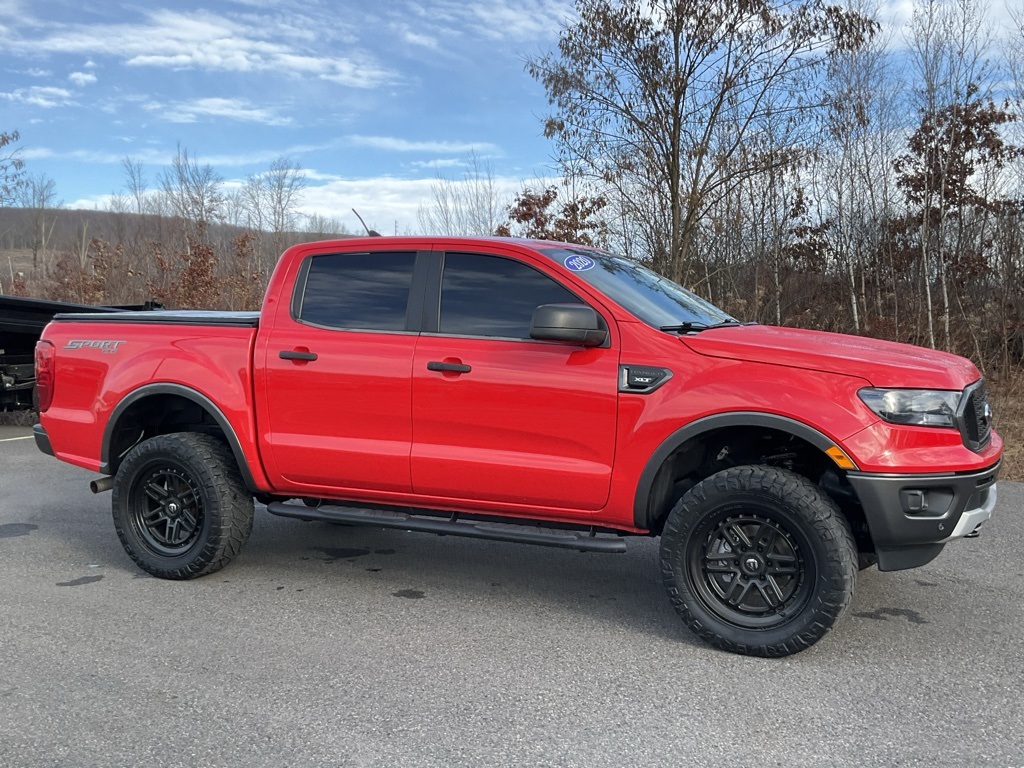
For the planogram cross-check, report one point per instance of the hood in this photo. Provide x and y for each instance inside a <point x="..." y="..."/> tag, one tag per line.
<point x="883" y="363"/>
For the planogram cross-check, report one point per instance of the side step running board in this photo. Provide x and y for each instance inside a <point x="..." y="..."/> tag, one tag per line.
<point x="475" y="529"/>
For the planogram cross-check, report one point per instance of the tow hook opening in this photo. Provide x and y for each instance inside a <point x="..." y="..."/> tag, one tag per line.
<point x="976" y="532"/>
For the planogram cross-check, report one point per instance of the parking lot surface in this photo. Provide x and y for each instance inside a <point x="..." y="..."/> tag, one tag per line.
<point x="337" y="646"/>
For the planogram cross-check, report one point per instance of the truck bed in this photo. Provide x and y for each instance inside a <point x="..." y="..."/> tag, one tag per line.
<point x="168" y="317"/>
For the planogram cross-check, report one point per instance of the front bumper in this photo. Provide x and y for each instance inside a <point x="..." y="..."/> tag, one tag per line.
<point x="911" y="517"/>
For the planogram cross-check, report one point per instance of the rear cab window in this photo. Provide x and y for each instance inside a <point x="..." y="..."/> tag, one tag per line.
<point x="355" y="291"/>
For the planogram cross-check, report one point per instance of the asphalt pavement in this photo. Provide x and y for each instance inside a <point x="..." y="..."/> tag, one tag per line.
<point x="336" y="646"/>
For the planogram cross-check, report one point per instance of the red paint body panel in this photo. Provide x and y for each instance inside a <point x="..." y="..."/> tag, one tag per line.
<point x="90" y="383"/>
<point x="883" y="363"/>
<point x="342" y="421"/>
<point x="887" y="449"/>
<point x="534" y="429"/>
<point x="532" y="423"/>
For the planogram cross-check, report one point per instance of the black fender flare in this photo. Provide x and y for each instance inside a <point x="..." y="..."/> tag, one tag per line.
<point x="709" y="424"/>
<point x="179" y="390"/>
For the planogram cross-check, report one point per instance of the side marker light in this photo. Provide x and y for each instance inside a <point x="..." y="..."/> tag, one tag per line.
<point x="838" y="455"/>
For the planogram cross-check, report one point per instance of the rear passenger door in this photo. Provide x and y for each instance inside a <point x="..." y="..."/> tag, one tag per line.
<point x="337" y="369"/>
<point x="498" y="417"/>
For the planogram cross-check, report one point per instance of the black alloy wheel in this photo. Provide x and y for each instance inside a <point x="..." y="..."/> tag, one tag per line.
<point x="748" y="568"/>
<point x="166" y="509"/>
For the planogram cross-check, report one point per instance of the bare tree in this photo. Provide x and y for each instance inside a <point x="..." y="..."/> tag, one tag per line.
<point x="235" y="211"/>
<point x="321" y="227"/>
<point x="854" y="172"/>
<point x="269" y="203"/>
<point x="194" y="192"/>
<point x="948" y="43"/>
<point x="250" y="200"/>
<point x="39" y="194"/>
<point x="472" y="205"/>
<point x="11" y="169"/>
<point x="285" y="183"/>
<point x="119" y="203"/>
<point x="656" y="98"/>
<point x="135" y="183"/>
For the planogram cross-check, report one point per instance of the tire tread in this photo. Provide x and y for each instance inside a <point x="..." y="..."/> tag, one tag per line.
<point x="232" y="515"/>
<point x="814" y="507"/>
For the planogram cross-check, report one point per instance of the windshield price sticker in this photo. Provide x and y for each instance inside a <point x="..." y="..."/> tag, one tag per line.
<point x="579" y="263"/>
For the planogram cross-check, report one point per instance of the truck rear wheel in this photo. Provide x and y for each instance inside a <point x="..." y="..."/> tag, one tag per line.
<point x="758" y="561"/>
<point x="180" y="506"/>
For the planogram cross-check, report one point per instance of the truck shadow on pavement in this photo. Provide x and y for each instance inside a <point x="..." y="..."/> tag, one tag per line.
<point x="619" y="589"/>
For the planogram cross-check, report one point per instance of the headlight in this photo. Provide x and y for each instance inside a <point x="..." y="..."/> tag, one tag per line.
<point x="920" y="407"/>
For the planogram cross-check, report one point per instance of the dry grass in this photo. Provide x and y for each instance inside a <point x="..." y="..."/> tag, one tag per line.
<point x="1008" y="405"/>
<point x="17" y="418"/>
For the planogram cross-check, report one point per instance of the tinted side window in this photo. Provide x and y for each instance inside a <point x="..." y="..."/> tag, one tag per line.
<point x="492" y="296"/>
<point x="367" y="291"/>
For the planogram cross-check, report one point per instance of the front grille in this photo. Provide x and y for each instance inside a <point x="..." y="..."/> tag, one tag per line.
<point x="975" y="416"/>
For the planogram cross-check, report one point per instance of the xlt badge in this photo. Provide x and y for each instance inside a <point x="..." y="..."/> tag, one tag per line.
<point x="642" y="379"/>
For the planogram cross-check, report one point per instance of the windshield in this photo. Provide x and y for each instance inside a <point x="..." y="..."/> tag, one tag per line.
<point x="652" y="298"/>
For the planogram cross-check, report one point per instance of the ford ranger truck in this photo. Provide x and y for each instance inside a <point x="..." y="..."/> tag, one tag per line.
<point x="531" y="392"/>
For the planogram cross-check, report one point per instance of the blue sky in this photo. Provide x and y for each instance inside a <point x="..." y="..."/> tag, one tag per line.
<point x="374" y="100"/>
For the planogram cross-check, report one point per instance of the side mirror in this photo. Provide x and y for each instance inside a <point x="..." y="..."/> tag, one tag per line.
<point x="569" y="323"/>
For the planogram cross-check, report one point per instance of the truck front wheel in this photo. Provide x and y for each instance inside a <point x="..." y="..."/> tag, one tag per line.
<point x="180" y="506"/>
<point x="758" y="561"/>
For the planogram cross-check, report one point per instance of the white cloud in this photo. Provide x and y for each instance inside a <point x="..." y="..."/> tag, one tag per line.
<point x="430" y="42"/>
<point x="386" y="203"/>
<point x="380" y="201"/>
<point x="497" y="19"/>
<point x="41" y="96"/>
<point x="232" y="109"/>
<point x="395" y="144"/>
<point x="207" y="41"/>
<point x="99" y="157"/>
<point x="161" y="156"/>
<point x="258" y="156"/>
<point x="82" y="78"/>
<point x="436" y="164"/>
<point x="319" y="176"/>
<point x="895" y="17"/>
<point x="518" y="19"/>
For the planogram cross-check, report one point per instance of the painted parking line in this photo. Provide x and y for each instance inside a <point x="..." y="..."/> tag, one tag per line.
<point x="12" y="439"/>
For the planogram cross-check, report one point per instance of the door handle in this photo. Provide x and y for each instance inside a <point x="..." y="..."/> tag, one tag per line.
<point x="294" y="354"/>
<point x="435" y="365"/>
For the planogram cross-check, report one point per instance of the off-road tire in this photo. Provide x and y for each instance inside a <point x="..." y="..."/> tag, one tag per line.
<point x="751" y="536"/>
<point x="181" y="509"/>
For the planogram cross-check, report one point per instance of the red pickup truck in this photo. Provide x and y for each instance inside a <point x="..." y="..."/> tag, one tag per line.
<point x="534" y="392"/>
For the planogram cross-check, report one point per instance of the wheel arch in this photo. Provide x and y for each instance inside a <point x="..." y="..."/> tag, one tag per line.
<point x="651" y="493"/>
<point x="156" y="409"/>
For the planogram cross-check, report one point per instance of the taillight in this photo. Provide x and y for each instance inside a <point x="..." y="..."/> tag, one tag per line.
<point x="45" y="352"/>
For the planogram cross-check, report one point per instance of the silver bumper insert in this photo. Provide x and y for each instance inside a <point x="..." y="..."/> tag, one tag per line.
<point x="972" y="519"/>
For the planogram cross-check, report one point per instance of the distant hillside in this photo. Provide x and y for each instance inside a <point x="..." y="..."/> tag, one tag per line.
<point x="33" y="241"/>
<point x="107" y="257"/>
